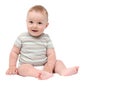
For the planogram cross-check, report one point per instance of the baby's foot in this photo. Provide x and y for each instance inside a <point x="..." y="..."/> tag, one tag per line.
<point x="45" y="75"/>
<point x="70" y="71"/>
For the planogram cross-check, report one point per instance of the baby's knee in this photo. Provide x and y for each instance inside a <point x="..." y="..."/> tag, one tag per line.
<point x="59" y="62"/>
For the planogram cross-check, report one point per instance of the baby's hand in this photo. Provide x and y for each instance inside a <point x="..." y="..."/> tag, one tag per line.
<point x="11" y="71"/>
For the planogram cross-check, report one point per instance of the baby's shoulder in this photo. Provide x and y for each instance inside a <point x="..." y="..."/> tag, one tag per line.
<point x="44" y="36"/>
<point x="23" y="34"/>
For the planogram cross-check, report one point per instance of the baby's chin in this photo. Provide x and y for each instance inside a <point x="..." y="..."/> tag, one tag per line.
<point x="35" y="34"/>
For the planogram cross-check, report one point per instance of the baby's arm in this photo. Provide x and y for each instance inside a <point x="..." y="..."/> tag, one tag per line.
<point x="12" y="60"/>
<point x="49" y="66"/>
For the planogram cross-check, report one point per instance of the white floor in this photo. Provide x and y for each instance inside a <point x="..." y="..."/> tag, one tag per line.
<point x="30" y="81"/>
<point x="14" y="80"/>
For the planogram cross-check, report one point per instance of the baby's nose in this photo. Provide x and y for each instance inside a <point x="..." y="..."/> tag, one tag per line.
<point x="34" y="25"/>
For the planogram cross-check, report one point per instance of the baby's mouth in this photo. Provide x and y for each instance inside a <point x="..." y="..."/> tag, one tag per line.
<point x="35" y="30"/>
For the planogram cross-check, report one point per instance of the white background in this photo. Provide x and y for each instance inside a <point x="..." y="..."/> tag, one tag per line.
<point x="84" y="33"/>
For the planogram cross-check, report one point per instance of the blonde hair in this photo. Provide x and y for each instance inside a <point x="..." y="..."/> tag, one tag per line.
<point x="39" y="8"/>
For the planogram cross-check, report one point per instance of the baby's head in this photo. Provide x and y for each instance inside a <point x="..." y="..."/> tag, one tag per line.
<point x="37" y="20"/>
<point x="40" y="9"/>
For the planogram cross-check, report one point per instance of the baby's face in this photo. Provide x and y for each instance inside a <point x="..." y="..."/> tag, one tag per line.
<point x="36" y="23"/>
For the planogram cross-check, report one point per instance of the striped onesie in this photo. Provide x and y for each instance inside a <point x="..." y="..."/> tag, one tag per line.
<point x="33" y="49"/>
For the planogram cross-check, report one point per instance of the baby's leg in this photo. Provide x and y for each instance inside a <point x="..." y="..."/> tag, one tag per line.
<point x="61" y="69"/>
<point x="70" y="71"/>
<point x="29" y="70"/>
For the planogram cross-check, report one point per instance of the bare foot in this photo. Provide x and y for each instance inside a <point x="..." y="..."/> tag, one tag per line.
<point x="70" y="71"/>
<point x="44" y="75"/>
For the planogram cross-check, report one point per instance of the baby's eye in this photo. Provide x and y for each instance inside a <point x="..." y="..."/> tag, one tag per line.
<point x="31" y="22"/>
<point x="39" y="22"/>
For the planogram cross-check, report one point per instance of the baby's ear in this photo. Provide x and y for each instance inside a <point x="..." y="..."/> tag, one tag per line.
<point x="47" y="25"/>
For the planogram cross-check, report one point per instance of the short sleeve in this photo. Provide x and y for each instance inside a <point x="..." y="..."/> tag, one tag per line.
<point x="49" y="42"/>
<point x="18" y="42"/>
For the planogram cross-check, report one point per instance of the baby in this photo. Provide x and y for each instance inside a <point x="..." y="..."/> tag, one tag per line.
<point x="35" y="49"/>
